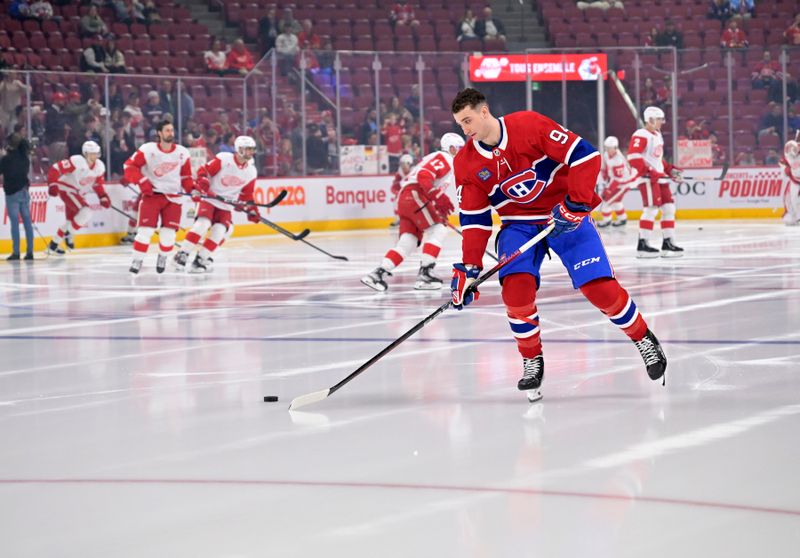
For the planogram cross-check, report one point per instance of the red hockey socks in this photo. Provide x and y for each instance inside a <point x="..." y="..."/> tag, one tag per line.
<point x="519" y="296"/>
<point x="613" y="301"/>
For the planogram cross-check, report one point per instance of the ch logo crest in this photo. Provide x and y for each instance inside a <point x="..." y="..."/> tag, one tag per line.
<point x="523" y="187"/>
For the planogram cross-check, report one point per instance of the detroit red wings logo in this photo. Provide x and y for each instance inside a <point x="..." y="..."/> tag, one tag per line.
<point x="165" y="168"/>
<point x="231" y="181"/>
<point x="87" y="180"/>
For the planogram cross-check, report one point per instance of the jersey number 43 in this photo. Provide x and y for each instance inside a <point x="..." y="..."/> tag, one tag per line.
<point x="523" y="187"/>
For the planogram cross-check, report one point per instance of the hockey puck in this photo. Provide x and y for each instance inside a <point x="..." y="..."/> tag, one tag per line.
<point x="270" y="398"/>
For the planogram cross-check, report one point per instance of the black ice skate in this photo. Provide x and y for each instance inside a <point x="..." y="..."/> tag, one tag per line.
<point x="669" y="250"/>
<point x="653" y="355"/>
<point x="374" y="279"/>
<point x="619" y="223"/>
<point x="603" y="224"/>
<point x="199" y="265"/>
<point x="69" y="241"/>
<point x="532" y="376"/>
<point x="426" y="281"/>
<point x="136" y="266"/>
<point x="53" y="248"/>
<point x="644" y="250"/>
<point x="180" y="258"/>
<point x="161" y="263"/>
<point x="128" y="238"/>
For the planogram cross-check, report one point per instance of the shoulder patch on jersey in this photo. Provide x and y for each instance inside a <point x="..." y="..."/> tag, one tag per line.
<point x="484" y="174"/>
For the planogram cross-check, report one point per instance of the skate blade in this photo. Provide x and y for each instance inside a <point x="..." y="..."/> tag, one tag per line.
<point x="372" y="285"/>
<point x="534" y="395"/>
<point x="646" y="255"/>
<point x="668" y="254"/>
<point x="428" y="286"/>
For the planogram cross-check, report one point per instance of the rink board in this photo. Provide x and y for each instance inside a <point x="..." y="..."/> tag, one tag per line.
<point x="333" y="203"/>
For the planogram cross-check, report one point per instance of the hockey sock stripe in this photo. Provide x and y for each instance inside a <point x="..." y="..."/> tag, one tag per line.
<point x="210" y="245"/>
<point x="140" y="246"/>
<point x="667" y="224"/>
<point x="192" y="238"/>
<point x="395" y="257"/>
<point x="524" y="331"/>
<point x="647" y="225"/>
<point x="431" y="249"/>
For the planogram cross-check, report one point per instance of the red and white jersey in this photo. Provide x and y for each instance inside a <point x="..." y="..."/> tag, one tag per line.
<point x="791" y="166"/>
<point x="646" y="152"/>
<point x="535" y="164"/>
<point x="433" y="174"/>
<point x="398" y="179"/>
<point x="616" y="168"/>
<point x="170" y="172"/>
<point x="228" y="179"/>
<point x="76" y="176"/>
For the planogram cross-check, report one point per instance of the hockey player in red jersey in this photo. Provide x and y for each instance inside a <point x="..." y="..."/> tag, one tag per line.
<point x="791" y="166"/>
<point x="617" y="176"/>
<point x="534" y="172"/>
<point x="71" y="179"/>
<point x="406" y="162"/>
<point x="646" y="156"/>
<point x="228" y="175"/>
<point x="423" y="207"/>
<point x="161" y="170"/>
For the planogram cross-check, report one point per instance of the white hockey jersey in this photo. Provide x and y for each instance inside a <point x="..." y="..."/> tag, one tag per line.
<point x="170" y="172"/>
<point x="646" y="151"/>
<point x="228" y="179"/>
<point x="791" y="166"/>
<point x="75" y="175"/>
<point x="433" y="173"/>
<point x="616" y="168"/>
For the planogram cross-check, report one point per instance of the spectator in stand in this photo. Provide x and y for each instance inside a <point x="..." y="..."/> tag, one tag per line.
<point x="308" y="38"/>
<point x="55" y="127"/>
<point x="226" y="145"/>
<point x="670" y="36"/>
<point x="771" y="159"/>
<point x="649" y="94"/>
<point x="114" y="59"/>
<point x="129" y="11"/>
<point x="115" y="100"/>
<point x="733" y="36"/>
<point x="664" y="93"/>
<point x="720" y="10"/>
<point x="41" y="10"/>
<point x="395" y="108"/>
<point x="600" y="4"/>
<point x="288" y="22"/>
<point x="392" y="133"/>
<point x="717" y="153"/>
<point x="743" y="8"/>
<point x="122" y="147"/>
<point x="402" y="13"/>
<point x="649" y="39"/>
<point x="368" y="127"/>
<point x="92" y="24"/>
<point x="150" y="12"/>
<point x="333" y="150"/>
<point x="767" y="75"/>
<point x="167" y="98"/>
<point x="792" y="34"/>
<point x="326" y="57"/>
<point x="745" y="159"/>
<point x="217" y="59"/>
<point x="152" y="109"/>
<point x="793" y="120"/>
<point x="239" y="58"/>
<point x="14" y="167"/>
<point x="772" y="122"/>
<point x="19" y="10"/>
<point x="316" y="150"/>
<point x="136" y="115"/>
<point x="287" y="47"/>
<point x="11" y="92"/>
<point x="696" y="130"/>
<point x="285" y="157"/>
<point x="412" y="101"/>
<point x="490" y="27"/>
<point x="466" y="27"/>
<point x="268" y="30"/>
<point x="94" y="56"/>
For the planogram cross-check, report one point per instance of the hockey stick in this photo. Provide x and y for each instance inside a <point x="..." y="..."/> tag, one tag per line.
<point x="309" y="398"/>
<point x="720" y="177"/>
<point x="272" y="203"/>
<point x="128" y="215"/>
<point x="46" y="244"/>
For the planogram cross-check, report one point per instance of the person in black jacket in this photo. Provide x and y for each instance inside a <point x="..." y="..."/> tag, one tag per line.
<point x="14" y="167"/>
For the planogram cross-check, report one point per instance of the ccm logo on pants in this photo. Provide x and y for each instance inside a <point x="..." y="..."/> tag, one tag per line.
<point x="585" y="263"/>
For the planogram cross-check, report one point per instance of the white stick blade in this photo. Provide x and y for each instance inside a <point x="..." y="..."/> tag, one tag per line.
<point x="308" y="399"/>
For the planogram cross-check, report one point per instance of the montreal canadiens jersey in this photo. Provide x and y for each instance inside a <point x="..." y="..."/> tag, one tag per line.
<point x="433" y="173"/>
<point x="75" y="175"/>
<point x="616" y="168"/>
<point x="170" y="172"/>
<point x="646" y="151"/>
<point x="533" y="167"/>
<point x="229" y="179"/>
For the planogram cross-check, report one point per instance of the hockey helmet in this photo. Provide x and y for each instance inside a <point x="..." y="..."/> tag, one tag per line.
<point x="244" y="142"/>
<point x="90" y="147"/>
<point x="406" y="159"/>
<point x="651" y="113"/>
<point x="451" y="139"/>
<point x="611" y="142"/>
<point x="791" y="149"/>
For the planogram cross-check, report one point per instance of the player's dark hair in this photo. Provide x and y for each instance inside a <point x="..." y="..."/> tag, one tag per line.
<point x="161" y="124"/>
<point x="468" y="97"/>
